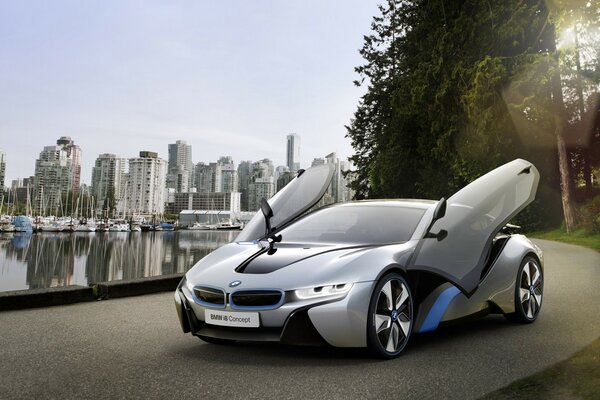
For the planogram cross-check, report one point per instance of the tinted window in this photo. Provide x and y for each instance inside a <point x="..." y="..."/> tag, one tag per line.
<point x="355" y="225"/>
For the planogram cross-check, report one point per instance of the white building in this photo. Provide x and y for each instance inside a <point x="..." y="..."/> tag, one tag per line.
<point x="338" y="190"/>
<point x="226" y="175"/>
<point x="146" y="184"/>
<point x="180" y="171"/>
<point x="293" y="152"/>
<point x="57" y="173"/>
<point x="108" y="180"/>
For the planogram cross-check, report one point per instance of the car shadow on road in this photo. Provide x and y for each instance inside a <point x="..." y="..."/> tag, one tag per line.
<point x="276" y="354"/>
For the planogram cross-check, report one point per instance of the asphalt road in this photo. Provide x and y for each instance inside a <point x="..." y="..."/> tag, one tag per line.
<point x="133" y="348"/>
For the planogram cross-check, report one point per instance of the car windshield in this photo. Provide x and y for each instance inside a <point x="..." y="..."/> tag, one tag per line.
<point x="355" y="224"/>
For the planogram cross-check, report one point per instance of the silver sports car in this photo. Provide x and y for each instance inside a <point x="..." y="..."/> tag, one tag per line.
<point x="368" y="273"/>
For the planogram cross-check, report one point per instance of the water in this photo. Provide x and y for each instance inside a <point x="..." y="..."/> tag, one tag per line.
<point x="46" y="260"/>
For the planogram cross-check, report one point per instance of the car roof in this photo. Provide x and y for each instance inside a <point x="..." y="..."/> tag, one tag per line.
<point x="407" y="203"/>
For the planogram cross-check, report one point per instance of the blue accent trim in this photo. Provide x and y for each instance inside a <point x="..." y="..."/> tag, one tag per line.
<point x="438" y="309"/>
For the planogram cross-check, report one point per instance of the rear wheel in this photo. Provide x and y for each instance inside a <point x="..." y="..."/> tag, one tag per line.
<point x="390" y="318"/>
<point x="529" y="290"/>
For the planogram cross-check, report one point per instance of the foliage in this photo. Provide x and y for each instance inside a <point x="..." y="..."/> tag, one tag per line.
<point x="590" y="216"/>
<point x="454" y="89"/>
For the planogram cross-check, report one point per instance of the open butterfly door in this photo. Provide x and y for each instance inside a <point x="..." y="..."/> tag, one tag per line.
<point x="298" y="196"/>
<point x="474" y="215"/>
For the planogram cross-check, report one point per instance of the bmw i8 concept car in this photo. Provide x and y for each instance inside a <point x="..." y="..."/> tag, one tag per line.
<point x="368" y="273"/>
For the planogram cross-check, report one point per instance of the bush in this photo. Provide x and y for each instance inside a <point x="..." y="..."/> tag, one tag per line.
<point x="590" y="216"/>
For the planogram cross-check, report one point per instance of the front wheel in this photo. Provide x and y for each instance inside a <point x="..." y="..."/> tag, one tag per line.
<point x="390" y="319"/>
<point x="529" y="291"/>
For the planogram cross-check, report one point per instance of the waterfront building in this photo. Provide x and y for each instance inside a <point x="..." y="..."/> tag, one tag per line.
<point x="338" y="190"/>
<point x="205" y="177"/>
<point x="2" y="171"/>
<point x="244" y="170"/>
<point x="22" y="189"/>
<point x="280" y="170"/>
<point x="108" y="180"/>
<point x="215" y="201"/>
<point x="180" y="170"/>
<point x="146" y="184"/>
<point x="179" y="181"/>
<point x="57" y="173"/>
<point x="16" y="183"/>
<point x="293" y="152"/>
<point x="261" y="184"/>
<point x="226" y="176"/>
<point x="283" y="179"/>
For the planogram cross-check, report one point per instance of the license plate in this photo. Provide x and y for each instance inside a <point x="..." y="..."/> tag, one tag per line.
<point x="230" y="318"/>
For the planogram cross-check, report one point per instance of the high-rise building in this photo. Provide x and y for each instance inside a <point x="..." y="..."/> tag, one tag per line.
<point x="244" y="171"/>
<point x="205" y="177"/>
<point x="226" y="176"/>
<point x="338" y="190"/>
<point x="146" y="184"/>
<point x="73" y="153"/>
<point x="293" y="152"/>
<point x="2" y="171"/>
<point x="180" y="171"/>
<point x="57" y="173"/>
<point x="261" y="184"/>
<point x="283" y="179"/>
<point x="108" y="180"/>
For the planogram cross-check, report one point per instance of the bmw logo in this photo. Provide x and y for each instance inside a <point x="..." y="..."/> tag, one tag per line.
<point x="235" y="283"/>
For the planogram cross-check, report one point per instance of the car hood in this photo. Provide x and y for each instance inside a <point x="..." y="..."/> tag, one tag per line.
<point x="294" y="265"/>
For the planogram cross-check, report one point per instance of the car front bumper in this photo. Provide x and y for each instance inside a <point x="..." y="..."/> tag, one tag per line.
<point x="336" y="321"/>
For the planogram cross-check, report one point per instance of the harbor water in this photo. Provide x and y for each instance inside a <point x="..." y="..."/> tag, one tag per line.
<point x="44" y="260"/>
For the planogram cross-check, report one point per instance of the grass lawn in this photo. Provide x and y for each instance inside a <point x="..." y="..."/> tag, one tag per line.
<point x="575" y="378"/>
<point x="578" y="237"/>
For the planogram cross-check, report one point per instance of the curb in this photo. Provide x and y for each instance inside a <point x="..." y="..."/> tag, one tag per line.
<point x="136" y="287"/>
<point x="21" y="299"/>
<point x="34" y="298"/>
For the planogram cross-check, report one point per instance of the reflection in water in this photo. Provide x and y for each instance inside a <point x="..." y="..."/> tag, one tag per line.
<point x="58" y="259"/>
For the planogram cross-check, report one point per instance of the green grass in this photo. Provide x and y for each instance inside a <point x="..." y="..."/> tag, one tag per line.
<point x="578" y="237"/>
<point x="575" y="378"/>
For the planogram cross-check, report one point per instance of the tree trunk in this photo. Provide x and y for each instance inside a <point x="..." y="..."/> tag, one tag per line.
<point x="559" y="123"/>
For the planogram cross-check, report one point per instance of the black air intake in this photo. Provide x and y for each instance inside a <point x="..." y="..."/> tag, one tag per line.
<point x="210" y="295"/>
<point x="256" y="298"/>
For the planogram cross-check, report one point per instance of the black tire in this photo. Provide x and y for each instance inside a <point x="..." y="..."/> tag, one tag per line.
<point x="529" y="291"/>
<point x="218" y="341"/>
<point x="386" y="338"/>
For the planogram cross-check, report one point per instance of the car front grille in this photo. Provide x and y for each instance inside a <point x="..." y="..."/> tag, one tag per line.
<point x="211" y="296"/>
<point x="256" y="298"/>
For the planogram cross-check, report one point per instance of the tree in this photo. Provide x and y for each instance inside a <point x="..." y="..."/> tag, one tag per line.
<point x="455" y="88"/>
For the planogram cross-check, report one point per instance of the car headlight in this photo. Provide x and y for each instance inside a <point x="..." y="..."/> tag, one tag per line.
<point x="323" y="291"/>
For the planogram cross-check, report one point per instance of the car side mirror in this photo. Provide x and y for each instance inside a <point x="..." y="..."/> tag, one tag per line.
<point x="440" y="210"/>
<point x="441" y="235"/>
<point x="438" y="213"/>
<point x="266" y="208"/>
<point x="267" y="211"/>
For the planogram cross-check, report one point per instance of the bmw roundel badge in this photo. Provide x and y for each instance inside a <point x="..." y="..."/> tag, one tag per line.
<point x="235" y="283"/>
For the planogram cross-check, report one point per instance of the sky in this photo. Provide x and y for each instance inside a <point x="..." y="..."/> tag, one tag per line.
<point x="230" y="78"/>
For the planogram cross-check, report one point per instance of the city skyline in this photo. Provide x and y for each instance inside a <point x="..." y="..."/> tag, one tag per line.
<point x="119" y="78"/>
